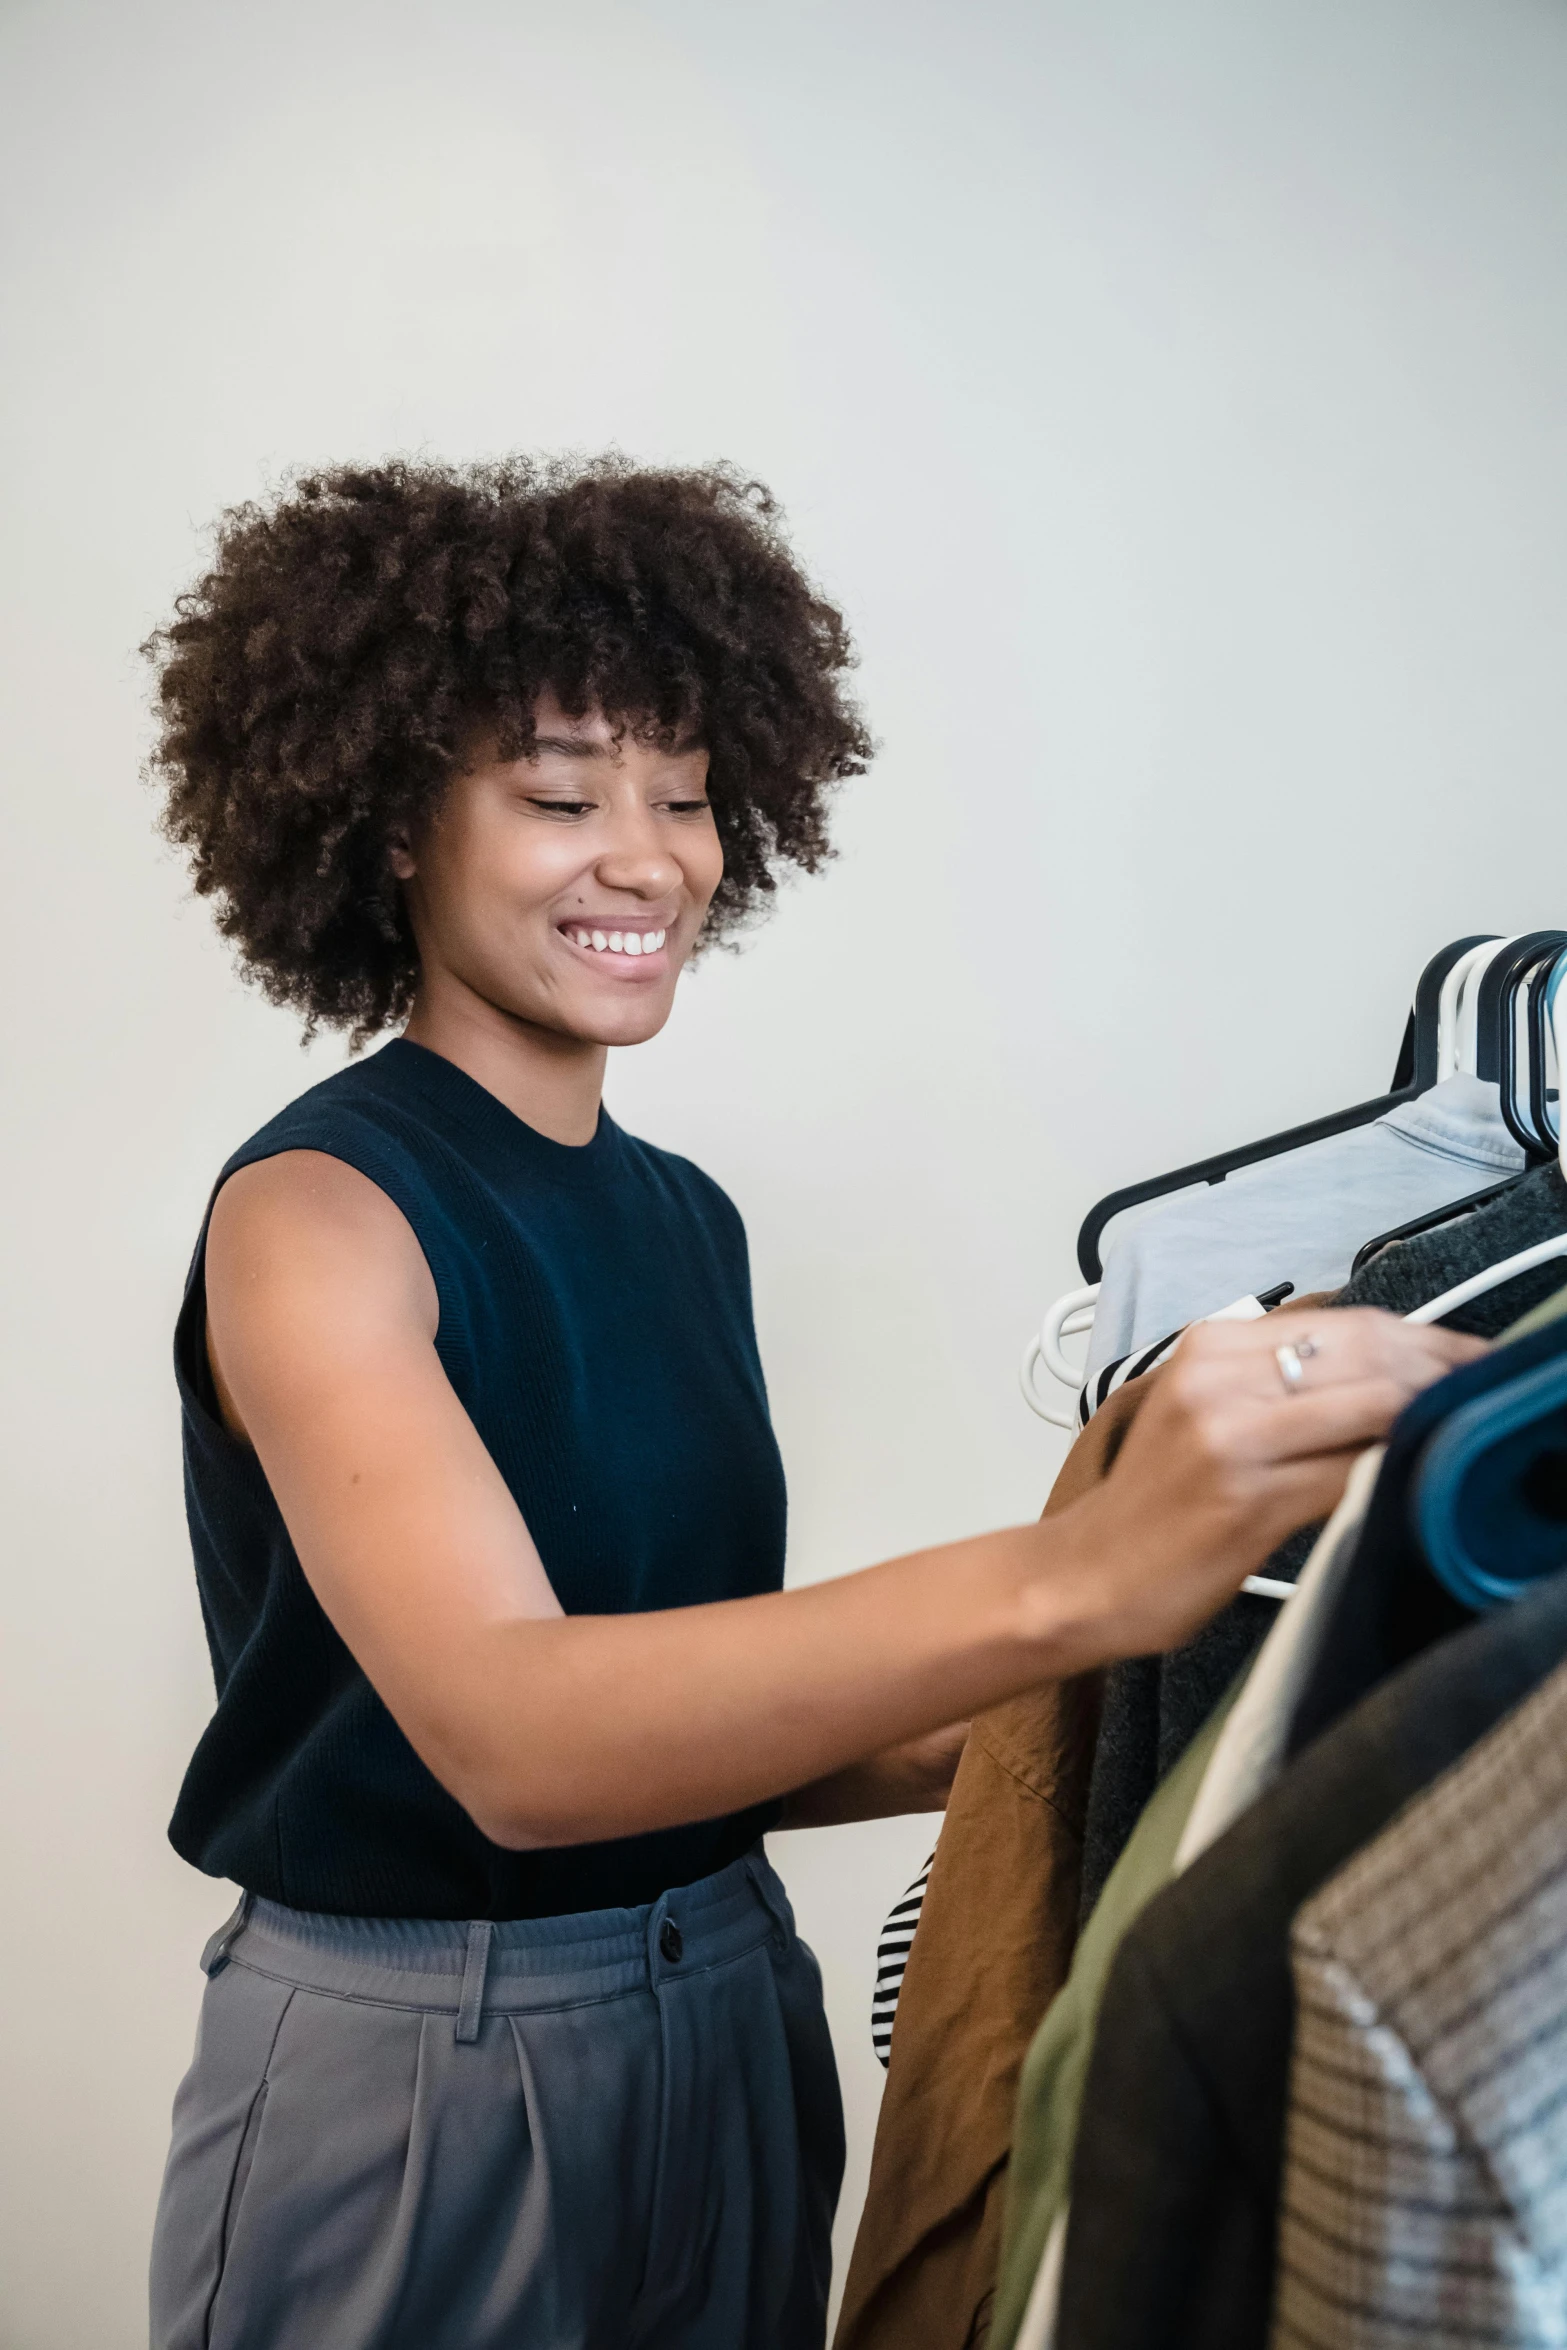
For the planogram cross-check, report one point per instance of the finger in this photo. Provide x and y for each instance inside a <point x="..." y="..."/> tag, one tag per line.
<point x="1293" y="1353"/>
<point x="1351" y="1412"/>
<point x="1367" y="1334"/>
<point x="1344" y="1332"/>
<point x="1302" y="1365"/>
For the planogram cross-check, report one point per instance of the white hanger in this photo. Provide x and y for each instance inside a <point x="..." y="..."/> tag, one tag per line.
<point x="1480" y="1284"/>
<point x="1069" y="1317"/>
<point x="1447" y="1014"/>
<point x="1457" y="1019"/>
<point x="1449" y="1007"/>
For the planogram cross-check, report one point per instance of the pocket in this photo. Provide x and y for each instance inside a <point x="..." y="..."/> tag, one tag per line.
<point x="217" y="2122"/>
<point x="242" y="2166"/>
<point x="813" y="2067"/>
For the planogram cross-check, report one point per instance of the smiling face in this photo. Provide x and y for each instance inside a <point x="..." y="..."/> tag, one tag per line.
<point x="566" y="889"/>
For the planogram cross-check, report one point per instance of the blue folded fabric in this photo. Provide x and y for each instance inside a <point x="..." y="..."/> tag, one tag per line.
<point x="1423" y="1570"/>
<point x="1490" y="1489"/>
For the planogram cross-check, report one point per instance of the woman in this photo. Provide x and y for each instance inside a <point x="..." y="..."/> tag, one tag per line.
<point x="510" y="2040"/>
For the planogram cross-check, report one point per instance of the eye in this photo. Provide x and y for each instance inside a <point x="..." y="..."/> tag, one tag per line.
<point x="687" y="807"/>
<point x="562" y="807"/>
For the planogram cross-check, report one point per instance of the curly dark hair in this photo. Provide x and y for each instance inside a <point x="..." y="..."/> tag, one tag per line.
<point x="323" y="682"/>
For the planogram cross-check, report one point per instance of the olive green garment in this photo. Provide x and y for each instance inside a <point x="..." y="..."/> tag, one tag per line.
<point x="1552" y="1311"/>
<point x="1054" y="2070"/>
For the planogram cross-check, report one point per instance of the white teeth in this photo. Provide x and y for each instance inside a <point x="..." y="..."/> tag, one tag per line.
<point x="619" y="942"/>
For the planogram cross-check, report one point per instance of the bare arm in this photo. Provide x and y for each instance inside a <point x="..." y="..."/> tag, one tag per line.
<point x="552" y="1729"/>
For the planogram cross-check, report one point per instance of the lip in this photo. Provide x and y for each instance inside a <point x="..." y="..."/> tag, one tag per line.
<point x="628" y="970"/>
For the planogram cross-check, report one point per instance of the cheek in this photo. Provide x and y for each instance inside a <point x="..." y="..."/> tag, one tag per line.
<point x="703" y="866"/>
<point x="516" y="867"/>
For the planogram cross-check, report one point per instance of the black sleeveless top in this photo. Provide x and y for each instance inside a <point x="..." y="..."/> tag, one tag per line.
<point x="595" y="1322"/>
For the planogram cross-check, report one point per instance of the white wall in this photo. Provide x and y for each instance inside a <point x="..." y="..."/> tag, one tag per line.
<point x="1174" y="392"/>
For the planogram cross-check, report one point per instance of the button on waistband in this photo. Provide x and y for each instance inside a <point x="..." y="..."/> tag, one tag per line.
<point x="671" y="1941"/>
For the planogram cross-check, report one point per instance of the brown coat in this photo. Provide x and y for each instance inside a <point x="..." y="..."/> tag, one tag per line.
<point x="1003" y="1890"/>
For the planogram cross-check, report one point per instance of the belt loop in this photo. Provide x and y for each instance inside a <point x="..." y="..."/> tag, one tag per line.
<point x="657" y="1919"/>
<point x="771" y="1895"/>
<point x="221" y="1947"/>
<point x="475" y="1965"/>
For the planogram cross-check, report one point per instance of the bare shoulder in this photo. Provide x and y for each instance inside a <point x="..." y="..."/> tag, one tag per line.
<point x="307" y="1259"/>
<point x="303" y="1199"/>
<point x="307" y="1212"/>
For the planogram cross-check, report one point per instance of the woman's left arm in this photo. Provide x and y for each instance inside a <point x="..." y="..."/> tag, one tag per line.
<point x="915" y="1776"/>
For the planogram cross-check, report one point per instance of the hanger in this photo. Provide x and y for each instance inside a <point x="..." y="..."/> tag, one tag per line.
<point x="1415" y="1073"/>
<point x="1484" y="1028"/>
<point x="1544" y="1098"/>
<point x="1069" y="1317"/>
<point x="1543" y="1251"/>
<point x="1481" y="1284"/>
<point x="1073" y="1314"/>
<point x="1458" y="1007"/>
<point x="1506" y="975"/>
<point x="1431" y="1221"/>
<point x="1448" y="1002"/>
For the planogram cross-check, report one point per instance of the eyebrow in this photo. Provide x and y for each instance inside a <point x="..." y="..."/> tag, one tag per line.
<point x="570" y="746"/>
<point x="576" y="746"/>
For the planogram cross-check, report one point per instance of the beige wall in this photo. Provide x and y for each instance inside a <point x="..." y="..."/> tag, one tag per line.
<point x="1173" y="389"/>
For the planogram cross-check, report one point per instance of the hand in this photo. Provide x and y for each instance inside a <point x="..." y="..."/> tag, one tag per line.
<point x="916" y="1776"/>
<point x="1230" y="1454"/>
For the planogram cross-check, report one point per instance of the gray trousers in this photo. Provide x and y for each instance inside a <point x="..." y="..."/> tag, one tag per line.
<point x="616" y="2131"/>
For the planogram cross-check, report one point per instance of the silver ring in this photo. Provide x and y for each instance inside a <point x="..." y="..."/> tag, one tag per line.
<point x="1292" y="1361"/>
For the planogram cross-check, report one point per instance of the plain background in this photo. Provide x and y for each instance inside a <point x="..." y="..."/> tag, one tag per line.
<point x="1175" y="394"/>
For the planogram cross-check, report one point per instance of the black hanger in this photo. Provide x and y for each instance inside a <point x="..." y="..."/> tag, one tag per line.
<point x="1541" y="1097"/>
<point x="1496" y="1032"/>
<point x="1415" y="1072"/>
<point x="1429" y="1223"/>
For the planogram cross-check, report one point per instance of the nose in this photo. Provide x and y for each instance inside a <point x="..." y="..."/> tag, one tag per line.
<point x="636" y="857"/>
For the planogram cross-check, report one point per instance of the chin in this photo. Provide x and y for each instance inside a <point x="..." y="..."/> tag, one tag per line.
<point x="617" y="1024"/>
<point x="639" y="1031"/>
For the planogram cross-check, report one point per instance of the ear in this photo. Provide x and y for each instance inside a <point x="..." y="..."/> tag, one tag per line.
<point x="401" y="859"/>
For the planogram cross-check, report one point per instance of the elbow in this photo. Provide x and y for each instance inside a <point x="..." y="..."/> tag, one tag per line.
<point x="489" y="1794"/>
<point x="520" y="1802"/>
<point x="511" y="1816"/>
<point x="505" y="1825"/>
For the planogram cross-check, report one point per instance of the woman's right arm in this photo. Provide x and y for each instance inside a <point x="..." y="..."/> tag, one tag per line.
<point x="554" y="1729"/>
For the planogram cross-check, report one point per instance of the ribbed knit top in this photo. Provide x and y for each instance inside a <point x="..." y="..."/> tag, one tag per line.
<point x="595" y="1323"/>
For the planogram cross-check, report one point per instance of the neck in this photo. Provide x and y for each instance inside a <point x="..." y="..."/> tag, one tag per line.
<point x="553" y="1083"/>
